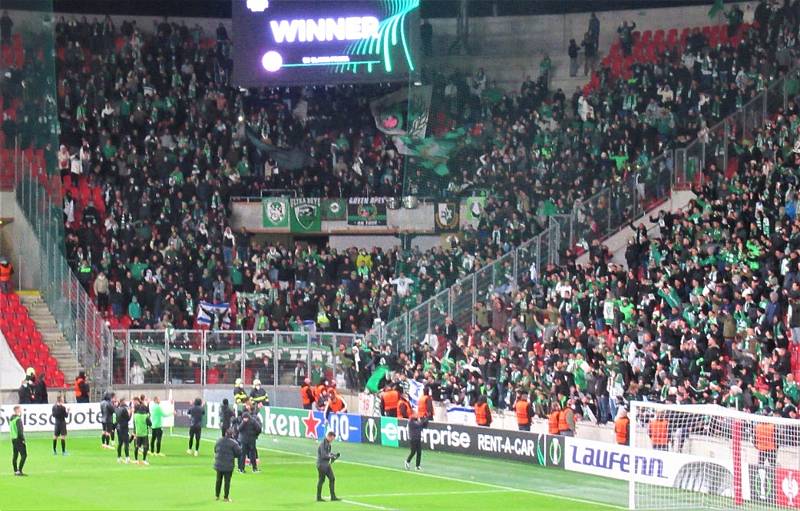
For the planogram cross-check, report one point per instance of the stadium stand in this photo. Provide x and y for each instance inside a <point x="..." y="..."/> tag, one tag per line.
<point x="112" y="213"/>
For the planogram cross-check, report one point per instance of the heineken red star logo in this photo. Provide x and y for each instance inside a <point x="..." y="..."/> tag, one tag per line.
<point x="311" y="425"/>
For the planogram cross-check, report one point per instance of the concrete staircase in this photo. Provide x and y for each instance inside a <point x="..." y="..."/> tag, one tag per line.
<point x="52" y="335"/>
<point x="618" y="242"/>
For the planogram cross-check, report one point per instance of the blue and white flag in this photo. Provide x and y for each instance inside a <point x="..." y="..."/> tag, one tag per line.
<point x="414" y="391"/>
<point x="464" y="415"/>
<point x="207" y="313"/>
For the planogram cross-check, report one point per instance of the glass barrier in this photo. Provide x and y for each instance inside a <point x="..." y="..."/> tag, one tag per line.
<point x="185" y="357"/>
<point x="147" y="357"/>
<point x="223" y="357"/>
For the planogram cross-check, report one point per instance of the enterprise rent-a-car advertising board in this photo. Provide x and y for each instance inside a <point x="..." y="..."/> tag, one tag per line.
<point x="544" y="450"/>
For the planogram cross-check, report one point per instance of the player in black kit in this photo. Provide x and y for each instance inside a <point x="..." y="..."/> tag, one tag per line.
<point x="123" y="416"/>
<point x="60" y="428"/>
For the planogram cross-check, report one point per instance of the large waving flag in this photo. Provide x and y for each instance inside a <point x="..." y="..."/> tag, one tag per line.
<point x="375" y="381"/>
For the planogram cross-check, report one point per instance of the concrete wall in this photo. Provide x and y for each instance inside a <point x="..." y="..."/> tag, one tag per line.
<point x="340" y="242"/>
<point x="531" y="35"/>
<point x="420" y="219"/>
<point x="19" y="244"/>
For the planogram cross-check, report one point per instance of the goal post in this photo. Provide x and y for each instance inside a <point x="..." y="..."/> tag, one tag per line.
<point x="709" y="457"/>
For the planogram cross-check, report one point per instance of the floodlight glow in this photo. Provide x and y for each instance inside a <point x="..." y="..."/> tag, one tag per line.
<point x="258" y="5"/>
<point x="272" y="61"/>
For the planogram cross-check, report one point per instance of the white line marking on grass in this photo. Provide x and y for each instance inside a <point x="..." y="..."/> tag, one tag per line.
<point x="433" y="493"/>
<point x="447" y="478"/>
<point x="362" y="504"/>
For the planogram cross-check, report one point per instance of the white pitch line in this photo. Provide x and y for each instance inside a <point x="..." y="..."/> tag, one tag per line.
<point x="362" y="504"/>
<point x="433" y="493"/>
<point x="447" y="478"/>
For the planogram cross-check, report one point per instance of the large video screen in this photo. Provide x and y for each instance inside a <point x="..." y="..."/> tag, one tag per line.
<point x="298" y="42"/>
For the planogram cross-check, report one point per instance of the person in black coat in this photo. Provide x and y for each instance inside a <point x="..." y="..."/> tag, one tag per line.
<point x="25" y="393"/>
<point x="415" y="427"/>
<point x="196" y="413"/>
<point x="123" y="417"/>
<point x="249" y="429"/>
<point x="226" y="450"/>
<point x="40" y="391"/>
<point x="225" y="416"/>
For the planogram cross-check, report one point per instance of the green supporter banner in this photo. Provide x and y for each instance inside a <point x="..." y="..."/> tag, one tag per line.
<point x="275" y="212"/>
<point x="366" y="211"/>
<point x="334" y="209"/>
<point x="305" y="215"/>
<point x="475" y="207"/>
<point x="447" y="217"/>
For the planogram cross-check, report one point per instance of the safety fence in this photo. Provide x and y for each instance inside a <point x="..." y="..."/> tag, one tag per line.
<point x="29" y="155"/>
<point x="191" y="357"/>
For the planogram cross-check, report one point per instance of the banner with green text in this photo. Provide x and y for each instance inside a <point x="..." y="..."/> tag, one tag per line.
<point x="305" y="215"/>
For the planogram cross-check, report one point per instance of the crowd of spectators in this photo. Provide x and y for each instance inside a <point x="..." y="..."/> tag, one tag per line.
<point x="707" y="309"/>
<point x="149" y="117"/>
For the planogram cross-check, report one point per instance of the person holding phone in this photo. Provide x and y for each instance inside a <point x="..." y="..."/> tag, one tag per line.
<point x="325" y="459"/>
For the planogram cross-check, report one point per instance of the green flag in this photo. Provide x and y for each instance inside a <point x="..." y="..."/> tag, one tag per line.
<point x="474" y="207"/>
<point x="432" y="153"/>
<point x="334" y="209"/>
<point x="375" y="381"/>
<point x="275" y="212"/>
<point x="305" y="215"/>
<point x="717" y="8"/>
<point x="403" y="112"/>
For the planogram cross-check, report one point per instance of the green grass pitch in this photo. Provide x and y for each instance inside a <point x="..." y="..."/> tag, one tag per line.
<point x="367" y="477"/>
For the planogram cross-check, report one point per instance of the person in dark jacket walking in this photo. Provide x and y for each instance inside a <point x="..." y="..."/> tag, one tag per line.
<point x="196" y="413"/>
<point x="225" y="416"/>
<point x="225" y="451"/>
<point x="325" y="459"/>
<point x="415" y="427"/>
<point x="249" y="429"/>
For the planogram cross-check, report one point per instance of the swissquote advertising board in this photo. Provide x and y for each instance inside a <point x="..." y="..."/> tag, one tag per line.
<point x="81" y="416"/>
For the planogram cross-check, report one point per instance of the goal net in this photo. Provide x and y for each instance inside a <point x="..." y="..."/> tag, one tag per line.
<point x="710" y="457"/>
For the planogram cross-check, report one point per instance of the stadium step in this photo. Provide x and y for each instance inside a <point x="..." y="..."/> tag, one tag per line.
<point x="52" y="335"/>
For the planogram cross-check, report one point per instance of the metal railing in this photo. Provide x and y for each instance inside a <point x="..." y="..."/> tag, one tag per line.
<point x="38" y="195"/>
<point x="714" y="146"/>
<point x="632" y="194"/>
<point x="203" y="357"/>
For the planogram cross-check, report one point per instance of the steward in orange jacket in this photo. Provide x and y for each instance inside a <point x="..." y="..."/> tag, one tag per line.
<point x="483" y="415"/>
<point x="524" y="411"/>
